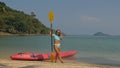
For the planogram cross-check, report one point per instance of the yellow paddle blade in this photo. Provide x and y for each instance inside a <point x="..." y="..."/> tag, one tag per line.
<point x="51" y="16"/>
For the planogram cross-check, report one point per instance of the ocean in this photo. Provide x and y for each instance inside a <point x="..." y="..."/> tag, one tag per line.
<point x="90" y="49"/>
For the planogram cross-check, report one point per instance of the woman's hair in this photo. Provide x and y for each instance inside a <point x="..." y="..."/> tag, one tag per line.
<point x="58" y="32"/>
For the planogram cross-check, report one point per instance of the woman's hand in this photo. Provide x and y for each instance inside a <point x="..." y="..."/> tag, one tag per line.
<point x="61" y="36"/>
<point x="50" y="32"/>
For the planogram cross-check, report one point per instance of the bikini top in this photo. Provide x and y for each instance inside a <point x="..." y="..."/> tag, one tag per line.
<point x="56" y="37"/>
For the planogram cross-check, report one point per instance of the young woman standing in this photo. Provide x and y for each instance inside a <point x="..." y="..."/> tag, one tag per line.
<point x="57" y="46"/>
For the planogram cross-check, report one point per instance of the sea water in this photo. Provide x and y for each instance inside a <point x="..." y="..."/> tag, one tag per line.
<point x="91" y="49"/>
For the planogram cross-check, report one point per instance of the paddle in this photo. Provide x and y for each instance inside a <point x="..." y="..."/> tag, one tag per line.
<point x="51" y="18"/>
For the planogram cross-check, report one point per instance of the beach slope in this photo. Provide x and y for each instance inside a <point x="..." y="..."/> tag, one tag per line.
<point x="47" y="64"/>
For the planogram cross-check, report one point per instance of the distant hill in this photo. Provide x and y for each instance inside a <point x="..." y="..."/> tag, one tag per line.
<point x="100" y="34"/>
<point x="17" y="22"/>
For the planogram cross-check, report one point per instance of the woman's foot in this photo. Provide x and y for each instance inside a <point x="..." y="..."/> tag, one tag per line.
<point x="62" y="61"/>
<point x="55" y="61"/>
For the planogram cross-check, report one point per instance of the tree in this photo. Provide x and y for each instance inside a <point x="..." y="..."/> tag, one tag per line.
<point x="33" y="14"/>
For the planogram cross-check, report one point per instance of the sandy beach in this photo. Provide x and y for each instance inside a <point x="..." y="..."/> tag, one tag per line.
<point x="5" y="63"/>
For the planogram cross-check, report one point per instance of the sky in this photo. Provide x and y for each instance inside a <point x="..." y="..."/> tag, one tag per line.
<point x="74" y="17"/>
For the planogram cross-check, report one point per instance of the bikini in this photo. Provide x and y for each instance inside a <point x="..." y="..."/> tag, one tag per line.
<point x="56" y="38"/>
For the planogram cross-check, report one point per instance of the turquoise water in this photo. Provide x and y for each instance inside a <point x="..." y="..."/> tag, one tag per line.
<point x="92" y="49"/>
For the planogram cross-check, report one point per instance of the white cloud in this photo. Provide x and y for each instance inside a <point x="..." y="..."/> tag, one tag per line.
<point x="88" y="19"/>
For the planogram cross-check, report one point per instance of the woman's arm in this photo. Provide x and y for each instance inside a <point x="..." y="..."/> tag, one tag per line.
<point x="50" y="32"/>
<point x="61" y="36"/>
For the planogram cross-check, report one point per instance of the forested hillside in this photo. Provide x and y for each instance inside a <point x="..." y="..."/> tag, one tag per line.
<point x="17" y="22"/>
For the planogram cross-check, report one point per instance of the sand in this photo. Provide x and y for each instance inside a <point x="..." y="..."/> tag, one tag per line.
<point x="5" y="63"/>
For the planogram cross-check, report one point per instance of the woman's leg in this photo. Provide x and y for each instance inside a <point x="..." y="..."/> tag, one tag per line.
<point x="56" y="57"/>
<point x="61" y="60"/>
<point x="57" y="50"/>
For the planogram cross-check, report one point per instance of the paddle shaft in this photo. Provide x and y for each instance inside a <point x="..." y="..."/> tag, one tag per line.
<point x="51" y="38"/>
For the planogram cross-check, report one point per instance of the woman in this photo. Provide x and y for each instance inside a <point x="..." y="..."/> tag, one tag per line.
<point x="57" y="37"/>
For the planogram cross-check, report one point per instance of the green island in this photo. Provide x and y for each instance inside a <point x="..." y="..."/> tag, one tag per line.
<point x="14" y="22"/>
<point x="101" y="34"/>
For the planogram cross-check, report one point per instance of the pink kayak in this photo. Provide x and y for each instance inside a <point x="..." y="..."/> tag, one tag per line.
<point x="37" y="56"/>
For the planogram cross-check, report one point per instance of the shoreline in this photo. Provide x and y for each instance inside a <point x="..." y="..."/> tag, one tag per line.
<point x="9" y="34"/>
<point x="8" y="63"/>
